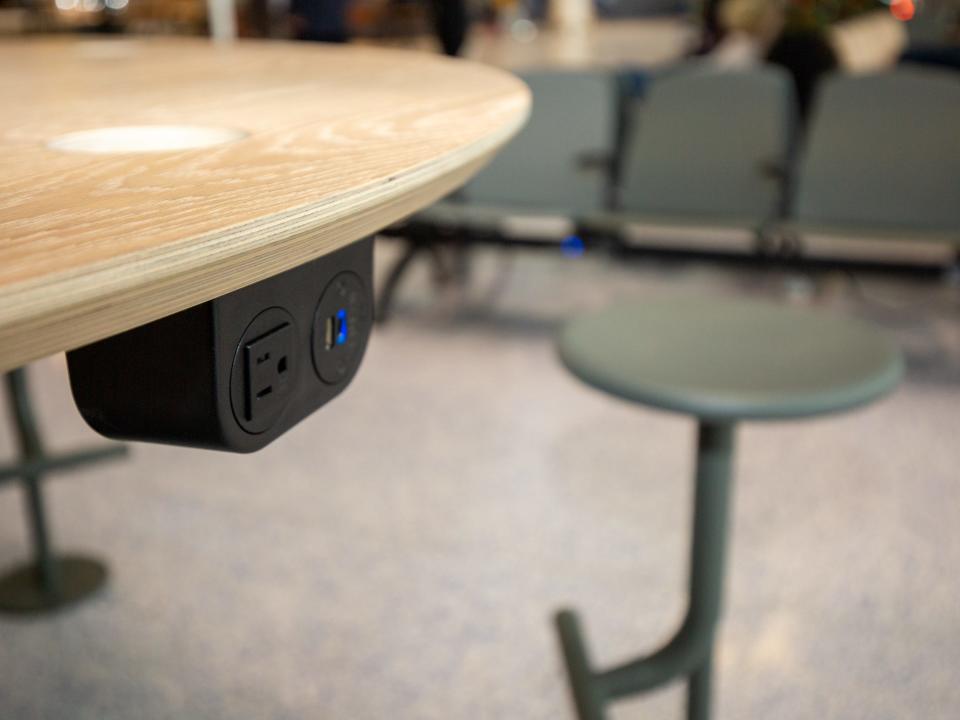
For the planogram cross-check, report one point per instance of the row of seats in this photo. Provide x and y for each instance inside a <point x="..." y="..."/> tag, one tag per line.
<point x="714" y="160"/>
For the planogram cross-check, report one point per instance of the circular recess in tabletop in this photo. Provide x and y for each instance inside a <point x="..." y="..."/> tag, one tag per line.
<point x="145" y="139"/>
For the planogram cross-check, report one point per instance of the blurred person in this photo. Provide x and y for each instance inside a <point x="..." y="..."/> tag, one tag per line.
<point x="450" y="22"/>
<point x="807" y="55"/>
<point x="749" y="28"/>
<point x="752" y="32"/>
<point x="320" y="20"/>
<point x="711" y="33"/>
<point x="870" y="41"/>
<point x="804" y="47"/>
<point x="820" y="37"/>
<point x="801" y="36"/>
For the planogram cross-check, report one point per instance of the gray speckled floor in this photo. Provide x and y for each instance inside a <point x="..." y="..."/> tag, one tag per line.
<point x="399" y="554"/>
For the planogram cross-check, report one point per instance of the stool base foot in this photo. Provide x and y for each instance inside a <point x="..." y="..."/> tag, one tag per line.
<point x="687" y="656"/>
<point x="23" y="592"/>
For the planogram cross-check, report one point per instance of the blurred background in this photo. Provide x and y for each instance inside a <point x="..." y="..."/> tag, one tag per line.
<point x="407" y="22"/>
<point x="799" y="151"/>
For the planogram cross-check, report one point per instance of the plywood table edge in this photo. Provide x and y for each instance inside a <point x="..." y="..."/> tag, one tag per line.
<point x="71" y="309"/>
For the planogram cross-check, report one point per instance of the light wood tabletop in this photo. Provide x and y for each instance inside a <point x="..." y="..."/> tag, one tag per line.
<point x="325" y="145"/>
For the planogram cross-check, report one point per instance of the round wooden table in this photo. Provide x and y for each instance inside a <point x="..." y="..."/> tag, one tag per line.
<point x="325" y="145"/>
<point x="139" y="178"/>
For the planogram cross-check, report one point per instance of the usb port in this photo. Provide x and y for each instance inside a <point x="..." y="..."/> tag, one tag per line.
<point x="336" y="330"/>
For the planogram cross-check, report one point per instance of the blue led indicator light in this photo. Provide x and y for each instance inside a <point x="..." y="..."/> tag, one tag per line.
<point x="341" y="327"/>
<point x="572" y="246"/>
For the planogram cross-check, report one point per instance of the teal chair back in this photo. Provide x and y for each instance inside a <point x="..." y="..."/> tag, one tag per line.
<point x="710" y="145"/>
<point x="883" y="153"/>
<point x="552" y="165"/>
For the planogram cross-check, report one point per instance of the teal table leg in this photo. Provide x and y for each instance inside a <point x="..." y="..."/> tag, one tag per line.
<point x="49" y="581"/>
<point x="689" y="654"/>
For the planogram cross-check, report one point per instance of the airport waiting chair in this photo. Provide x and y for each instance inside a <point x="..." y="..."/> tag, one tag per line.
<point x="705" y="162"/>
<point x="555" y="170"/>
<point x="879" y="176"/>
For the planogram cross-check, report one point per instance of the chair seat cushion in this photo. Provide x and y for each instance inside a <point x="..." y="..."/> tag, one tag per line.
<point x="852" y="231"/>
<point x="690" y="233"/>
<point x="618" y="222"/>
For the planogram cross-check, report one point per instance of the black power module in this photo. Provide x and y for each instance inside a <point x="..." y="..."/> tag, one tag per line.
<point x="236" y="372"/>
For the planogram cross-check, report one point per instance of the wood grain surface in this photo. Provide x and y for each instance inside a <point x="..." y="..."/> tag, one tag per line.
<point x="341" y="142"/>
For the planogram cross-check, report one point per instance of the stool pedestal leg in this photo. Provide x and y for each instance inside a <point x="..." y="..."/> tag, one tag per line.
<point x="689" y="654"/>
<point x="49" y="582"/>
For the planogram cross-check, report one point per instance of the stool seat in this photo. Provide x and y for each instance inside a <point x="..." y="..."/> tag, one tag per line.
<point x="723" y="360"/>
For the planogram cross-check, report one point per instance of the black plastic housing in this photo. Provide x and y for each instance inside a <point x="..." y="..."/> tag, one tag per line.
<point x="236" y="372"/>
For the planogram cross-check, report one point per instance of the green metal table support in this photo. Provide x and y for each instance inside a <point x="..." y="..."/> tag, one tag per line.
<point x="689" y="654"/>
<point x="48" y="582"/>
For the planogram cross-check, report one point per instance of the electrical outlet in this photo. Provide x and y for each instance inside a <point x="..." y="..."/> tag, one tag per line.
<point x="264" y="370"/>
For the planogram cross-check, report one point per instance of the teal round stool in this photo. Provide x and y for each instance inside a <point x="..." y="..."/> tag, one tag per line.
<point x="720" y="362"/>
